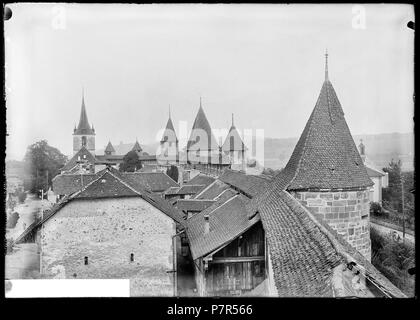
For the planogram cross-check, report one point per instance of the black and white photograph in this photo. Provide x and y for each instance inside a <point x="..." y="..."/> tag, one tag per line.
<point x="209" y="150"/>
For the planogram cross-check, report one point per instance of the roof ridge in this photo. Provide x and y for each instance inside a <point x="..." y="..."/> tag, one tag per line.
<point x="206" y="188"/>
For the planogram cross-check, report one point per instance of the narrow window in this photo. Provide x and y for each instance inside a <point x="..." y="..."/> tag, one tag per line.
<point x="86" y="261"/>
<point x="132" y="257"/>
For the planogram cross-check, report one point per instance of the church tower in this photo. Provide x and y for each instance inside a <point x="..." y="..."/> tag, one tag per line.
<point x="169" y="147"/>
<point x="83" y="134"/>
<point x="326" y="173"/>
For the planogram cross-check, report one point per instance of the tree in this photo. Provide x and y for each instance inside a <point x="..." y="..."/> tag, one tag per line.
<point x="131" y="162"/>
<point x="392" y="196"/>
<point x="173" y="173"/>
<point x="42" y="163"/>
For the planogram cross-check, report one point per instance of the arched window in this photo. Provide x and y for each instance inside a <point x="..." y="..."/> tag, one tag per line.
<point x="86" y="261"/>
<point x="84" y="141"/>
<point x="131" y="257"/>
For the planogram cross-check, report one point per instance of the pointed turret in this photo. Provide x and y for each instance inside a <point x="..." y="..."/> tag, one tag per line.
<point x="169" y="133"/>
<point x="109" y="150"/>
<point x="200" y="127"/>
<point x="84" y="127"/>
<point x="137" y="147"/>
<point x="233" y="141"/>
<point x="325" y="156"/>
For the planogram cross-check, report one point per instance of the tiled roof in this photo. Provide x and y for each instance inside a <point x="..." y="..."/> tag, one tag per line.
<point x="82" y="154"/>
<point x="304" y="250"/>
<point x="83" y="126"/>
<point x="325" y="156"/>
<point x="172" y="191"/>
<point x="233" y="141"/>
<point x="301" y="255"/>
<point x="190" y="189"/>
<point x="248" y="184"/>
<point x="213" y="190"/>
<point x="137" y="147"/>
<point x="227" y="221"/>
<point x="109" y="184"/>
<point x="64" y="184"/>
<point x="201" y="135"/>
<point x="154" y="181"/>
<point x="109" y="147"/>
<point x="187" y="205"/>
<point x="201" y="179"/>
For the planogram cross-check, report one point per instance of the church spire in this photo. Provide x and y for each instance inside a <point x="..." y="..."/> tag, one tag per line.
<point x="232" y="121"/>
<point x="326" y="65"/>
<point x="83" y="126"/>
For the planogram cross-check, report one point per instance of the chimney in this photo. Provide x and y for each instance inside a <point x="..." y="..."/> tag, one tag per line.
<point x="206" y="224"/>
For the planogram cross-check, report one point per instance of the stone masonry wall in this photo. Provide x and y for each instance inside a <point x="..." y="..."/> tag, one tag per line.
<point x="346" y="212"/>
<point x="108" y="231"/>
<point x="77" y="143"/>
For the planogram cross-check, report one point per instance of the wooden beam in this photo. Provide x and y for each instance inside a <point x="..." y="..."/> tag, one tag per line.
<point x="237" y="259"/>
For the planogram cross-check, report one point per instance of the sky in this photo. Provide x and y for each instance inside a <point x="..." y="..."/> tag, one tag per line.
<point x="264" y="63"/>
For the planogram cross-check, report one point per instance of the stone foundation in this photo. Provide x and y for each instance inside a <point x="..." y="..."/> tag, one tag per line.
<point x="347" y="212"/>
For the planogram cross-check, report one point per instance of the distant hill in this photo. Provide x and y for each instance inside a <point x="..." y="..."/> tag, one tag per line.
<point x="379" y="148"/>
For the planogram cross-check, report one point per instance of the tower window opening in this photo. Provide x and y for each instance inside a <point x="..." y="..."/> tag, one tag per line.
<point x="131" y="257"/>
<point x="86" y="261"/>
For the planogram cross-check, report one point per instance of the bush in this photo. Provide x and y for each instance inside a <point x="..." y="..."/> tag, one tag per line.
<point x="12" y="220"/>
<point x="393" y="258"/>
<point x="376" y="208"/>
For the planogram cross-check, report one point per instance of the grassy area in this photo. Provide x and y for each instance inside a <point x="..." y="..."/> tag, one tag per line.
<point x="393" y="259"/>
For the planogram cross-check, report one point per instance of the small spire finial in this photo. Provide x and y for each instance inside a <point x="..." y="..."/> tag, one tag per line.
<point x="169" y="111"/>
<point x="232" y="120"/>
<point x="326" y="64"/>
<point x="200" y="102"/>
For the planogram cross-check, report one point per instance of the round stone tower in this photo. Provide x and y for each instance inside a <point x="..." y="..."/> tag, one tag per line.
<point x="326" y="173"/>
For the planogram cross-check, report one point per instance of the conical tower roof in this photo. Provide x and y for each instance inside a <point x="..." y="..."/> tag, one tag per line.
<point x="84" y="127"/>
<point x="109" y="148"/>
<point x="325" y="156"/>
<point x="201" y="124"/>
<point x="137" y="147"/>
<point x="233" y="141"/>
<point x="169" y="133"/>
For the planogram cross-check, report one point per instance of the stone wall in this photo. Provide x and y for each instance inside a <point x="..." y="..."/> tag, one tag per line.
<point x="77" y="143"/>
<point x="107" y="232"/>
<point x="346" y="212"/>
